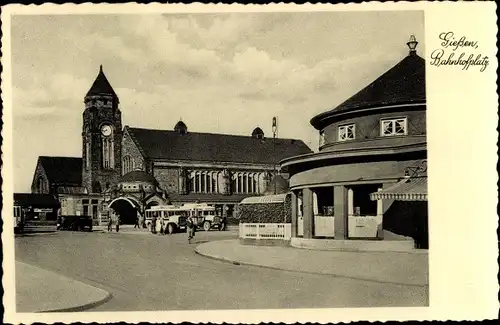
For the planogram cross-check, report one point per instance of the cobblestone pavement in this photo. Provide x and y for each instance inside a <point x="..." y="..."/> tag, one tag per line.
<point x="148" y="272"/>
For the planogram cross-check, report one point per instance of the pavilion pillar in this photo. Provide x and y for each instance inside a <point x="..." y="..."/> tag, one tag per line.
<point x="308" y="213"/>
<point x="294" y="214"/>
<point x="340" y="211"/>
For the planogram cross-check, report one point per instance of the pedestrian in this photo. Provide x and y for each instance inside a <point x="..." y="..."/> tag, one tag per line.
<point x="117" y="223"/>
<point x="190" y="228"/>
<point x="153" y="223"/>
<point x="110" y="222"/>
<point x="136" y="225"/>
<point x="162" y="225"/>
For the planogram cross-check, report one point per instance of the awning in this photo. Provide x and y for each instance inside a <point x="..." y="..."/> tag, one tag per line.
<point x="36" y="200"/>
<point x="278" y="198"/>
<point x="408" y="189"/>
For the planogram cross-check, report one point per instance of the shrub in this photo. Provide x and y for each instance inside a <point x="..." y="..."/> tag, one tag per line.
<point x="265" y="212"/>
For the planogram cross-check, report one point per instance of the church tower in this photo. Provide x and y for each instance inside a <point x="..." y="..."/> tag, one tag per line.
<point x="101" y="135"/>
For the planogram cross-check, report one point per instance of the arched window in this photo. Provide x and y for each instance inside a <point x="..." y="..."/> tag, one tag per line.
<point x="203" y="182"/>
<point x="245" y="183"/>
<point x="234" y="184"/>
<point x="108" y="153"/>
<point x="197" y="183"/>
<point x="214" y="182"/>
<point x="128" y="164"/>
<point x="41" y="185"/>
<point x="191" y="187"/>
<point x="108" y="149"/>
<point x="87" y="154"/>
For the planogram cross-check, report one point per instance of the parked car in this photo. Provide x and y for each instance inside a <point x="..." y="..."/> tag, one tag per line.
<point x="75" y="223"/>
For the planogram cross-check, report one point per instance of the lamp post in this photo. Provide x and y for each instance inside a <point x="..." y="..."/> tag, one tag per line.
<point x="275" y="130"/>
<point x="412" y="44"/>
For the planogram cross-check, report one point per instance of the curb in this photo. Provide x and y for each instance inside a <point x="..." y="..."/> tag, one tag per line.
<point x="84" y="307"/>
<point x="226" y="260"/>
<point x="107" y="296"/>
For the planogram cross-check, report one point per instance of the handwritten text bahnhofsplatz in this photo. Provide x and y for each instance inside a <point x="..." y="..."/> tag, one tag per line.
<point x="458" y="51"/>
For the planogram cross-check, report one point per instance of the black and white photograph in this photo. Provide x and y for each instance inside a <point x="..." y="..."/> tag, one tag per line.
<point x="219" y="160"/>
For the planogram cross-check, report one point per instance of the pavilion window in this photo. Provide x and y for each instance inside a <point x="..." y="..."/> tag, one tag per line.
<point x="393" y="127"/>
<point x="322" y="139"/>
<point x="347" y="132"/>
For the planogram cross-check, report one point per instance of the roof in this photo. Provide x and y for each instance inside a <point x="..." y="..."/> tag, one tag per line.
<point x="402" y="84"/>
<point x="408" y="189"/>
<point x="39" y="200"/>
<point x="71" y="190"/>
<point x="206" y="198"/>
<point x="62" y="170"/>
<point x="257" y="132"/>
<point x="101" y="86"/>
<point x="278" y="198"/>
<point x="180" y="127"/>
<point x="138" y="176"/>
<point x="166" y="144"/>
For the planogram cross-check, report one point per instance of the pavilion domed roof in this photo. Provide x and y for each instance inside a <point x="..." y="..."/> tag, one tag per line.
<point x="402" y="84"/>
<point x="138" y="176"/>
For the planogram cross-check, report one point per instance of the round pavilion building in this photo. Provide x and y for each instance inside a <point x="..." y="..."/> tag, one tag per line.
<point x="369" y="177"/>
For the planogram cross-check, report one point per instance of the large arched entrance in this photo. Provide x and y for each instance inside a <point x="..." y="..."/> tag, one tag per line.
<point x="126" y="208"/>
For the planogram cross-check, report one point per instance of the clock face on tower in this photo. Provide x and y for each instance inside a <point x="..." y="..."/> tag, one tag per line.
<point x="106" y="130"/>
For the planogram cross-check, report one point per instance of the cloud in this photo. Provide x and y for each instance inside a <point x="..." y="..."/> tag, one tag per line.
<point x="224" y="73"/>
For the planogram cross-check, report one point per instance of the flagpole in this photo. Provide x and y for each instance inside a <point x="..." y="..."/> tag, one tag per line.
<point x="275" y="129"/>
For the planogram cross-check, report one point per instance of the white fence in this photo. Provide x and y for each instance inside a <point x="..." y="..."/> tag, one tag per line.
<point x="359" y="226"/>
<point x="280" y="231"/>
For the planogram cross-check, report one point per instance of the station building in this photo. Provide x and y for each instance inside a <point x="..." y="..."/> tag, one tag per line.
<point x="130" y="169"/>
<point x="371" y="164"/>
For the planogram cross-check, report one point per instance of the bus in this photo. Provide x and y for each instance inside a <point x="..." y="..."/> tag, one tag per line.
<point x="204" y="216"/>
<point x="173" y="216"/>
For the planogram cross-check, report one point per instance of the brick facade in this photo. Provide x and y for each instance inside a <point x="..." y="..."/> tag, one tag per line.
<point x="130" y="149"/>
<point x="95" y="177"/>
<point x="40" y="183"/>
<point x="168" y="178"/>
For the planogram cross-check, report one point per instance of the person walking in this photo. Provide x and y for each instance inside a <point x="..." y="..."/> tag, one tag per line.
<point x="110" y="222"/>
<point x="153" y="223"/>
<point x="162" y="225"/>
<point x="117" y="223"/>
<point x="190" y="228"/>
<point x="136" y="225"/>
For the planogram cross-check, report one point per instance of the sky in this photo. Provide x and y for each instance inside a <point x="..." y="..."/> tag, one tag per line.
<point x="219" y="73"/>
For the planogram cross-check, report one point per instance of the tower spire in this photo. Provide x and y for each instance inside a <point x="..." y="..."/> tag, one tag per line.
<point x="101" y="86"/>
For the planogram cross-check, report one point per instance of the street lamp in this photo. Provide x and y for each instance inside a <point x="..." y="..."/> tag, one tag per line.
<point x="412" y="44"/>
<point x="275" y="130"/>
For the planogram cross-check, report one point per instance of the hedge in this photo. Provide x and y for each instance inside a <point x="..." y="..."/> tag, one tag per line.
<point x="265" y="212"/>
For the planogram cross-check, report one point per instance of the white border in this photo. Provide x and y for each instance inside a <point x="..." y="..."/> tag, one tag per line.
<point x="462" y="174"/>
